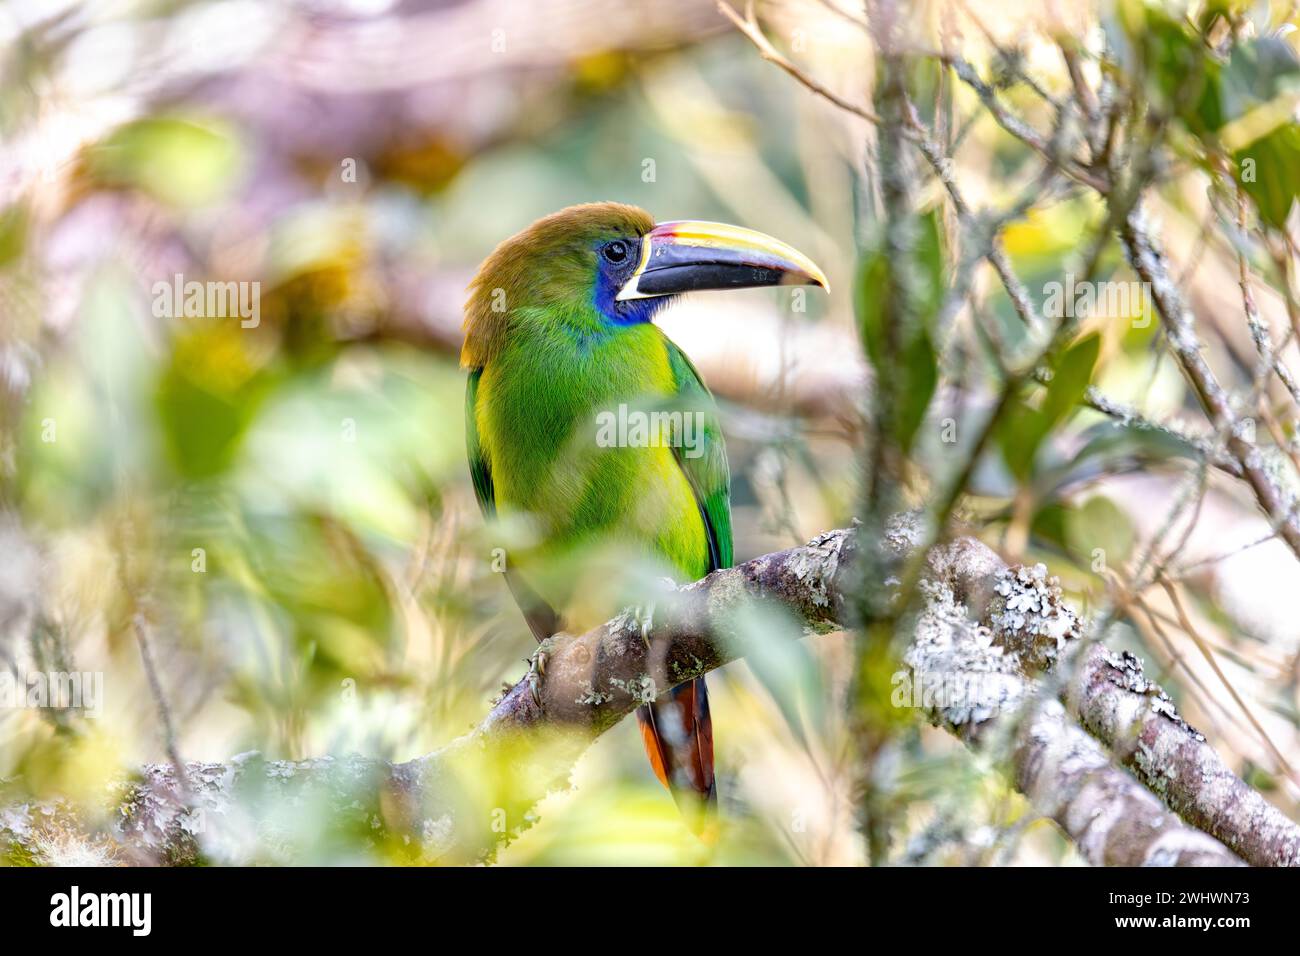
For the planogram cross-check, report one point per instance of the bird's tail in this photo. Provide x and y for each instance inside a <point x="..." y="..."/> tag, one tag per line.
<point x="678" y="736"/>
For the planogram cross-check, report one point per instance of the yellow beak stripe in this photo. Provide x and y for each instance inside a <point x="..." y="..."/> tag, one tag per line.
<point x="744" y="244"/>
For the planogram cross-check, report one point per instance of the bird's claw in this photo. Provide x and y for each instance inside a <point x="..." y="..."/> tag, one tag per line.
<point x="535" y="683"/>
<point x="537" y="670"/>
<point x="645" y="618"/>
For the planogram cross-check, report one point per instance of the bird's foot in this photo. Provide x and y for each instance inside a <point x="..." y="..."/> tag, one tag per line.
<point x="644" y="616"/>
<point x="537" y="669"/>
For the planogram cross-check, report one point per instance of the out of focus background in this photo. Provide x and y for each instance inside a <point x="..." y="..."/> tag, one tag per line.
<point x="264" y="534"/>
<point x="289" y="504"/>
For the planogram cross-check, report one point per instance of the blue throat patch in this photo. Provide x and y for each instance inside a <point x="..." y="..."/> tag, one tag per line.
<point x="629" y="312"/>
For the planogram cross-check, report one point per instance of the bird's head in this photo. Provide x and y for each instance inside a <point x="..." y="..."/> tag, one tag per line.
<point x="605" y="265"/>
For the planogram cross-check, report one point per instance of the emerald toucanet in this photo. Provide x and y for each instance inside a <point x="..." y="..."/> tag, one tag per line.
<point x="558" y="338"/>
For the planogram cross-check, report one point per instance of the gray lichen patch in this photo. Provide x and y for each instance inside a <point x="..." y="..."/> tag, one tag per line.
<point x="641" y="689"/>
<point x="681" y="673"/>
<point x="590" y="697"/>
<point x="972" y="679"/>
<point x="1029" y="616"/>
<point x="814" y="566"/>
<point x="1125" y="670"/>
<point x="904" y="532"/>
<point x="16" y="821"/>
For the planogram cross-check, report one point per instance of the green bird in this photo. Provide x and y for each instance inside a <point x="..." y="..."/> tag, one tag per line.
<point x="592" y="437"/>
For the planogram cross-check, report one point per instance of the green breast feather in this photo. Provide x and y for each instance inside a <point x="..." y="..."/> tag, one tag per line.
<point x="530" y="419"/>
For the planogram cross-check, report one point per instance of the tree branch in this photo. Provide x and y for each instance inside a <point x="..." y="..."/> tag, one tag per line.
<point x="1151" y="266"/>
<point x="465" y="800"/>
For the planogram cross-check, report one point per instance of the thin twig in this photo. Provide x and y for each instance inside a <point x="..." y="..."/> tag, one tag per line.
<point x="1191" y="632"/>
<point x="749" y="27"/>
<point x="1150" y="264"/>
<point x="141" y="629"/>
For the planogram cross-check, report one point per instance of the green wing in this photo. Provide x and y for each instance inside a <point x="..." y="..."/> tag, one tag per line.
<point x="541" y="617"/>
<point x="478" y="465"/>
<point x="708" y="473"/>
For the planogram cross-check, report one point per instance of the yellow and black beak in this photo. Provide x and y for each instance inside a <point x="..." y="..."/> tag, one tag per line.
<point x="688" y="256"/>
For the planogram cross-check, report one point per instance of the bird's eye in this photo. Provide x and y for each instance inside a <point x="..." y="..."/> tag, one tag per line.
<point x="615" y="251"/>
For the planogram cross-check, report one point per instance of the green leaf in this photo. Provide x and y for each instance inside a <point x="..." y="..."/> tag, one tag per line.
<point x="206" y="397"/>
<point x="922" y="376"/>
<point x="180" y="161"/>
<point x="1109" y="446"/>
<point x="897" y="301"/>
<point x="1099" y="525"/>
<point x="1183" y="77"/>
<point x="1071" y="378"/>
<point x="873" y="279"/>
<point x="1269" y="170"/>
<point x="929" y="259"/>
<point x="1049" y="524"/>
<point x="1024" y="427"/>
<point x="1257" y="71"/>
<point x="1213" y="9"/>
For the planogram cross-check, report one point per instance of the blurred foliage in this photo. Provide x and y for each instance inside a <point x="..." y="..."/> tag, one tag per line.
<point x="289" y="501"/>
<point x="1024" y="427"/>
<point x="178" y="160"/>
<point x="902" y="351"/>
